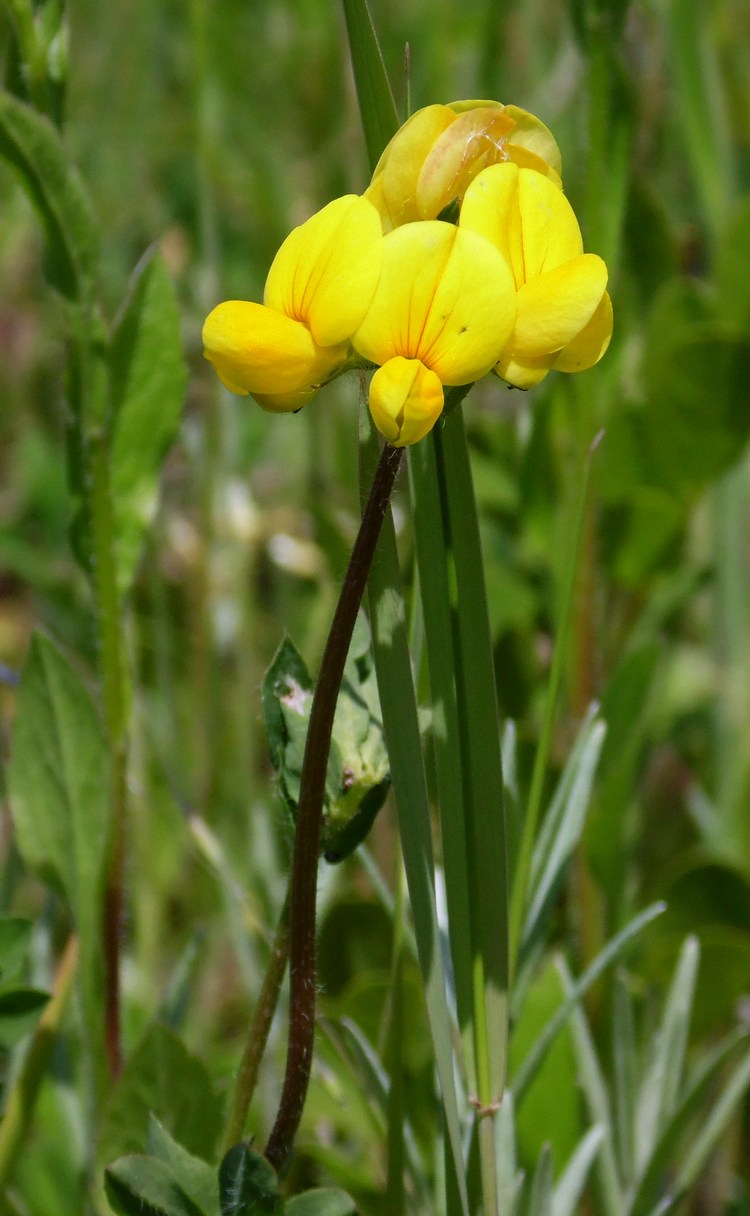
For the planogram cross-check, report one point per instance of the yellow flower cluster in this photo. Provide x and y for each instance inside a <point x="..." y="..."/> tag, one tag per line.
<point x="502" y="284"/>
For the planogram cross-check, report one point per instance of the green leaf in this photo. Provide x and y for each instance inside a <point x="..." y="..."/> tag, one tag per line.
<point x="732" y="280"/>
<point x="197" y="1178"/>
<point x="15" y="941"/>
<point x="58" y="781"/>
<point x="658" y="1095"/>
<point x="145" y="1186"/>
<point x="30" y="143"/>
<point x="562" y="826"/>
<point x="712" y="1129"/>
<point x="594" y="1087"/>
<point x="567" y="1194"/>
<point x="358" y="777"/>
<point x="376" y="105"/>
<point x="147" y="379"/>
<point x="401" y="726"/>
<point x="540" y="1199"/>
<point x="57" y="778"/>
<point x="248" y="1185"/>
<point x="674" y="1137"/>
<point x="161" y="1078"/>
<point x="611" y="951"/>
<point x="20" y="1009"/>
<point x="327" y="1201"/>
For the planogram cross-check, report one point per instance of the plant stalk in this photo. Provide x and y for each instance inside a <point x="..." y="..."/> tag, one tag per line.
<point x="258" y="1035"/>
<point x="303" y="888"/>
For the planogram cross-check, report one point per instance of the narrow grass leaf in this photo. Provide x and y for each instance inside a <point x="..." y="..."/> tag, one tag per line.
<point x="702" y="104"/>
<point x="658" y="1095"/>
<point x="433" y="565"/>
<point x="673" y="1136"/>
<point x="611" y="951"/>
<point x="480" y="739"/>
<point x="712" y="1129"/>
<point x="594" y="1089"/>
<point x="625" y="1076"/>
<point x="403" y="741"/>
<point x="540" y="1195"/>
<point x="568" y="1192"/>
<point x="509" y="1181"/>
<point x="376" y="105"/>
<point x="563" y="826"/>
<point x="374" y="1081"/>
<point x="523" y="854"/>
<point x="30" y="142"/>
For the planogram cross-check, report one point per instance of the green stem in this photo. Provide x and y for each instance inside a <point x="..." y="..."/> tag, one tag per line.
<point x="20" y="1101"/>
<point x="303" y="889"/>
<point x="258" y="1035"/>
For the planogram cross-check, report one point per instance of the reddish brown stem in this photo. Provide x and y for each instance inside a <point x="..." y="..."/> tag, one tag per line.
<point x="303" y="888"/>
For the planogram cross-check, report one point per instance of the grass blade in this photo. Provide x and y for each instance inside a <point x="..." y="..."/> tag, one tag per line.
<point x="612" y="950"/>
<point x="569" y="1189"/>
<point x="401" y="727"/>
<point x="658" y="1095"/>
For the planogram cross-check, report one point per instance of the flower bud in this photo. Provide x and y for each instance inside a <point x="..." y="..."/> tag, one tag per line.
<point x="435" y="155"/>
<point x="406" y="400"/>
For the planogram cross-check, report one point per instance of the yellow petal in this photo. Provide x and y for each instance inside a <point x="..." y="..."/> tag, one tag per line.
<point x="490" y="208"/>
<point x="285" y="403"/>
<point x="406" y="400"/>
<point x="522" y="374"/>
<point x="445" y="297"/>
<point x="551" y="234"/>
<point x="554" y="308"/>
<point x="590" y="344"/>
<point x="528" y="134"/>
<point x="531" y="134"/>
<point x="476" y="138"/>
<point x="326" y="270"/>
<point x="402" y="160"/>
<point x="525" y="215"/>
<point x="255" y="350"/>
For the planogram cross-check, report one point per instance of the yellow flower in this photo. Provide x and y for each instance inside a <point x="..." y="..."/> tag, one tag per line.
<point x="317" y="292"/>
<point x="444" y="305"/>
<point x="564" y="314"/>
<point x="436" y="154"/>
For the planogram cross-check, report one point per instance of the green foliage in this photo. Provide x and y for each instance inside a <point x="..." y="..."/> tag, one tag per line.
<point x="248" y="1184"/>
<point x="20" y="1005"/>
<point x="358" y="777"/>
<point x="147" y="378"/>
<point x="162" y="1080"/>
<point x="204" y="133"/>
<point x="30" y="143"/>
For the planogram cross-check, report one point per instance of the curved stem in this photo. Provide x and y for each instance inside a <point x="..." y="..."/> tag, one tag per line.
<point x="303" y="889"/>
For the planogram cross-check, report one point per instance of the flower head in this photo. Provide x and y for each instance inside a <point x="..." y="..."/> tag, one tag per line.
<point x="434" y="156"/>
<point x="317" y="292"/>
<point x="564" y="314"/>
<point x="445" y="301"/>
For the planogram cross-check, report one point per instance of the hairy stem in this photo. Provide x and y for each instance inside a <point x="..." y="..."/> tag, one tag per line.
<point x="303" y="888"/>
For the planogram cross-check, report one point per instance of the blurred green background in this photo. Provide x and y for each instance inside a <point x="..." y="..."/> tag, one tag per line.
<point x="211" y="130"/>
